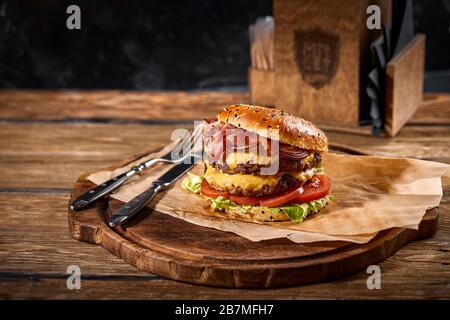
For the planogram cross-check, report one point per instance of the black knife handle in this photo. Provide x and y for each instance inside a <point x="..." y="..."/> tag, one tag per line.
<point x="101" y="190"/>
<point x="129" y="209"/>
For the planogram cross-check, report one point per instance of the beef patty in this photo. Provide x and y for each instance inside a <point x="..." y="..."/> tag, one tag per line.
<point x="286" y="182"/>
<point x="285" y="165"/>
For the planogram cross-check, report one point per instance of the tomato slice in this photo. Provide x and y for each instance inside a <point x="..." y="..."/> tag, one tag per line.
<point x="245" y="201"/>
<point x="207" y="190"/>
<point x="319" y="187"/>
<point x="282" y="198"/>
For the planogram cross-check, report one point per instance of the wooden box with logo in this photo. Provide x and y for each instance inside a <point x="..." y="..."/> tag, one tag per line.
<point x="321" y="63"/>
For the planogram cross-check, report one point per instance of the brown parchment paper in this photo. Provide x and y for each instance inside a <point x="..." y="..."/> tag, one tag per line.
<point x="371" y="194"/>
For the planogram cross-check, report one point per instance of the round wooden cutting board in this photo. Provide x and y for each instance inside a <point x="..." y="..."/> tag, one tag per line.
<point x="173" y="248"/>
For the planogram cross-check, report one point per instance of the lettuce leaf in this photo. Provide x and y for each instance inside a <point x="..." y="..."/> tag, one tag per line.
<point x="220" y="203"/>
<point x="192" y="183"/>
<point x="296" y="212"/>
<point x="319" y="170"/>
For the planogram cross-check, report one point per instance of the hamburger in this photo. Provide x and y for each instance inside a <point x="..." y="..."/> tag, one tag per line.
<point x="262" y="164"/>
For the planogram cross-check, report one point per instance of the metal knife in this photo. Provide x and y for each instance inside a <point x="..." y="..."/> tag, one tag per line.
<point x="101" y="190"/>
<point x="129" y="209"/>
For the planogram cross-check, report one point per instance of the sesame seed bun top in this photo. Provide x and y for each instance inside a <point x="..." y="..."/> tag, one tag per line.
<point x="275" y="124"/>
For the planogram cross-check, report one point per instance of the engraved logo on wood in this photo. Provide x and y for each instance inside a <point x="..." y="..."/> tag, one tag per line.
<point x="317" y="56"/>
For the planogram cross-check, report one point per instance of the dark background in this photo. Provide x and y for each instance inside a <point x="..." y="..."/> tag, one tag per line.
<point x="159" y="44"/>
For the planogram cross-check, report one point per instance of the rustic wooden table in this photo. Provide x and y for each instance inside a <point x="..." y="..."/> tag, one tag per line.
<point x="48" y="138"/>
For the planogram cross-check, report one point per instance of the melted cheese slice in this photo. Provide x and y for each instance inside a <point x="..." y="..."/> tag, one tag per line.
<point x="303" y="176"/>
<point x="249" y="182"/>
<point x="235" y="158"/>
<point x="225" y="181"/>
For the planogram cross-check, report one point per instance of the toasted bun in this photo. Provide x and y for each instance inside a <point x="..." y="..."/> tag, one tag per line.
<point x="253" y="214"/>
<point x="257" y="214"/>
<point x="275" y="124"/>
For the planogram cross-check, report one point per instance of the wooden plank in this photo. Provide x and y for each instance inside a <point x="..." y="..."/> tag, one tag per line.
<point x="84" y="140"/>
<point x="154" y="106"/>
<point x="58" y="153"/>
<point x="40" y="272"/>
<point x="404" y="85"/>
<point x="54" y="155"/>
<point x="419" y="270"/>
<point x="406" y="286"/>
<point x="435" y="109"/>
<point x="420" y="142"/>
<point x="35" y="239"/>
<point x="108" y="104"/>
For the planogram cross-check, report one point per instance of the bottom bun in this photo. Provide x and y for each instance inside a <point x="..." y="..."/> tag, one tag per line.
<point x="260" y="214"/>
<point x="296" y="212"/>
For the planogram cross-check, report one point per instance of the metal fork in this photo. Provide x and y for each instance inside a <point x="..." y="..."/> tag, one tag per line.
<point x="112" y="184"/>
